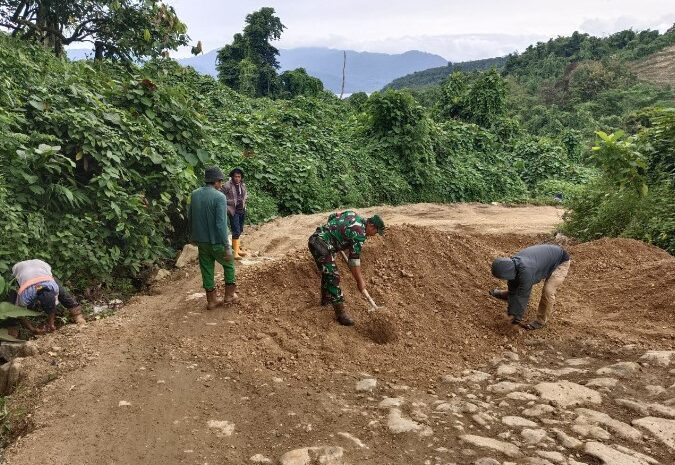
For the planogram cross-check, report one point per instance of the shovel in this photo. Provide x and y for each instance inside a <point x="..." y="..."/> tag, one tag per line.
<point x="371" y="302"/>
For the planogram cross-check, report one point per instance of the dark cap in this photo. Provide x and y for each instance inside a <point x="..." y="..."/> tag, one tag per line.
<point x="379" y="224"/>
<point x="504" y="268"/>
<point x="213" y="174"/>
<point x="237" y="170"/>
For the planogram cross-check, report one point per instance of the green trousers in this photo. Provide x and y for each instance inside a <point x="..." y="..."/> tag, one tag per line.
<point x="209" y="254"/>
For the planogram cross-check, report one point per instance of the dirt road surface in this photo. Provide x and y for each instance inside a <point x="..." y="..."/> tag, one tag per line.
<point x="283" y="234"/>
<point x="166" y="382"/>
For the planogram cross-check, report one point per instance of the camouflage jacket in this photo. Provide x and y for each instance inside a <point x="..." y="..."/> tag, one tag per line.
<point x="345" y="231"/>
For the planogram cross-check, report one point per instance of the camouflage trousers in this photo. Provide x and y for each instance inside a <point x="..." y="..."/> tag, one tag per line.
<point x="324" y="258"/>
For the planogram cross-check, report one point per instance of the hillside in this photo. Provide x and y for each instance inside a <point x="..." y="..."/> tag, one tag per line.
<point x="365" y="71"/>
<point x="658" y="68"/>
<point x="433" y="76"/>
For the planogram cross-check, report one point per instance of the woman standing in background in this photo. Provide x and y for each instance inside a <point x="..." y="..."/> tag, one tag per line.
<point x="235" y="191"/>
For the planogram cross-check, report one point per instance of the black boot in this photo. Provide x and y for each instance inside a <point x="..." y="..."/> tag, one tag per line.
<point x="341" y="315"/>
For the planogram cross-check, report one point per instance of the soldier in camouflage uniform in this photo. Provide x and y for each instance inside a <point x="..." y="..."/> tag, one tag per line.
<point x="344" y="231"/>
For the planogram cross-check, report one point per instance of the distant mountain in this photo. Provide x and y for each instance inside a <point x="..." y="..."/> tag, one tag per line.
<point x="204" y="64"/>
<point x="365" y="71"/>
<point x="435" y="76"/>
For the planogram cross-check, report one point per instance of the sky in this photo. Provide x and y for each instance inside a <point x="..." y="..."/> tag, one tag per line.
<point x="457" y="30"/>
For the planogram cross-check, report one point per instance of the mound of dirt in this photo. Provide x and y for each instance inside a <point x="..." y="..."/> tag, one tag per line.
<point x="624" y="287"/>
<point x="437" y="314"/>
<point x="432" y="286"/>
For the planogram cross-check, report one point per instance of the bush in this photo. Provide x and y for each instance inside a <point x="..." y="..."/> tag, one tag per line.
<point x="547" y="189"/>
<point x="261" y="207"/>
<point x="634" y="196"/>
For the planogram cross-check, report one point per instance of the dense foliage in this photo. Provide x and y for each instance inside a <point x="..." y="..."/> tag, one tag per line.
<point x="634" y="193"/>
<point x="583" y="83"/>
<point x="97" y="159"/>
<point x="127" y="29"/>
<point x="547" y="108"/>
<point x="435" y="76"/>
<point x="549" y="59"/>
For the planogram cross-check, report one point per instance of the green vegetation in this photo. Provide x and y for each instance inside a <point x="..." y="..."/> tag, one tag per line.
<point x="549" y="105"/>
<point x="634" y="193"/>
<point x="249" y="64"/>
<point x="435" y="76"/>
<point x="122" y="29"/>
<point x="97" y="158"/>
<point x="583" y="83"/>
<point x="574" y="89"/>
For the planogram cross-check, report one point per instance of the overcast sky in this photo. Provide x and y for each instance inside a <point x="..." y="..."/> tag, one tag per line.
<point x="455" y="29"/>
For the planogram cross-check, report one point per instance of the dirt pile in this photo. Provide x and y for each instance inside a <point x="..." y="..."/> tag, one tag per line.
<point x="437" y="314"/>
<point x="624" y="287"/>
<point x="433" y="288"/>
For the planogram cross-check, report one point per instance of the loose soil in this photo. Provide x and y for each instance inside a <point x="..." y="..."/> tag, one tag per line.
<point x="283" y="372"/>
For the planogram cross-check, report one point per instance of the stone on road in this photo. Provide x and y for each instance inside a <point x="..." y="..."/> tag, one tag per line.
<point x="567" y="394"/>
<point x="505" y="448"/>
<point x="660" y="428"/>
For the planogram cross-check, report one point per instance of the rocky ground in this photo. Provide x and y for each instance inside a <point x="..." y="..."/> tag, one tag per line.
<point x="533" y="406"/>
<point x="437" y="376"/>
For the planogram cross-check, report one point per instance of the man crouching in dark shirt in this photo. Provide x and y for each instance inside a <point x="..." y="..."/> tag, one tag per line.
<point x="525" y="269"/>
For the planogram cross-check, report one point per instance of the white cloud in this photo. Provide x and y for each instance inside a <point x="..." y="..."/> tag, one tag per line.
<point x="606" y="26"/>
<point x="455" y="29"/>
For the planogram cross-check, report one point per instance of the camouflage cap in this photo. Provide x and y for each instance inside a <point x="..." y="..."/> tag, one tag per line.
<point x="379" y="224"/>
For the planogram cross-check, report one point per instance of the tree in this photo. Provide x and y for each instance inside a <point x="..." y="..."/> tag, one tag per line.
<point x="486" y="101"/>
<point x="358" y="100"/>
<point x="453" y="95"/>
<point x="252" y="47"/>
<point x="124" y="29"/>
<point x="298" y="82"/>
<point x="588" y="79"/>
<point x="401" y="130"/>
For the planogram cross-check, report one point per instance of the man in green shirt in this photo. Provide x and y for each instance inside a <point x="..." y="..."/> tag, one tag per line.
<point x="207" y="216"/>
<point x="344" y="232"/>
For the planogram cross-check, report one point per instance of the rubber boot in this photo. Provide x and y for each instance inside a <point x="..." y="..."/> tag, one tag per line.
<point x="235" y="249"/>
<point x="212" y="300"/>
<point x="341" y="315"/>
<point x="242" y="252"/>
<point x="76" y="315"/>
<point x="231" y="296"/>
